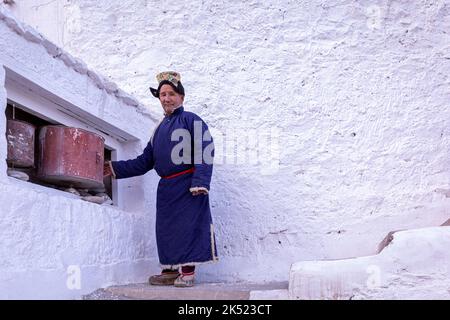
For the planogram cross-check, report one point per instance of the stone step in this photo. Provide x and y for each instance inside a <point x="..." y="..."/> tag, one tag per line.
<point x="390" y="236"/>
<point x="201" y="291"/>
<point x="413" y="264"/>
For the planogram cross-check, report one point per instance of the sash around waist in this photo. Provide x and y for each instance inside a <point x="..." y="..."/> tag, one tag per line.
<point x="190" y="170"/>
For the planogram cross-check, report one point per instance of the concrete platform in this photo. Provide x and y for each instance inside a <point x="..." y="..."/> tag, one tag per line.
<point x="201" y="291"/>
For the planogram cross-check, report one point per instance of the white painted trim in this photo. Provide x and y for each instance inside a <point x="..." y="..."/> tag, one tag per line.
<point x="196" y="189"/>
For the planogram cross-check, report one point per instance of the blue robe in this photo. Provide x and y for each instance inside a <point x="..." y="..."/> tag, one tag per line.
<point x="184" y="229"/>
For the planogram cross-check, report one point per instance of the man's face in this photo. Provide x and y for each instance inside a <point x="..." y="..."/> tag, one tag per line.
<point x="169" y="98"/>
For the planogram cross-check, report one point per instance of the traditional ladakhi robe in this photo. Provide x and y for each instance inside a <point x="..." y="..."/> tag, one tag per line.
<point x="184" y="228"/>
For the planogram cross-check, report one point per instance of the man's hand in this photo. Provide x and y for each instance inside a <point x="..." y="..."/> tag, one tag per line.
<point x="107" y="169"/>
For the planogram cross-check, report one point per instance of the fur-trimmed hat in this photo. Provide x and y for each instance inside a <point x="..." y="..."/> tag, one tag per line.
<point x="168" y="77"/>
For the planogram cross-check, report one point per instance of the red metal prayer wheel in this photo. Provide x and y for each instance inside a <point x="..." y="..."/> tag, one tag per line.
<point x="20" y="138"/>
<point x="71" y="157"/>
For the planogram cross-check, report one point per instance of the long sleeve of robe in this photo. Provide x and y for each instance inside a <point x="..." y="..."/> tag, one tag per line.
<point x="135" y="167"/>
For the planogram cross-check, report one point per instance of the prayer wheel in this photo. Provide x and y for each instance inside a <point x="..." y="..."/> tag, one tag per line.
<point x="70" y="157"/>
<point x="20" y="139"/>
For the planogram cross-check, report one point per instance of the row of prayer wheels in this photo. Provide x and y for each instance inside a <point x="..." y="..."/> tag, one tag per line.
<point x="66" y="156"/>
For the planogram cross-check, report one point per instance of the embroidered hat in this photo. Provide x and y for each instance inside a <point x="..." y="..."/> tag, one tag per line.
<point x="168" y="77"/>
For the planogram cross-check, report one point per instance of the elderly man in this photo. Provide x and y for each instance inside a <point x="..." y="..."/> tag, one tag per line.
<point x="184" y="229"/>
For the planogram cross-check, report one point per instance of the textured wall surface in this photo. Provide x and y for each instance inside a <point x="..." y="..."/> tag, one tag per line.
<point x="53" y="244"/>
<point x="356" y="94"/>
<point x="58" y="247"/>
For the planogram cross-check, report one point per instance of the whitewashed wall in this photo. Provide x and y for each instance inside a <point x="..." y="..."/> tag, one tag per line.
<point x="358" y="91"/>
<point x="53" y="244"/>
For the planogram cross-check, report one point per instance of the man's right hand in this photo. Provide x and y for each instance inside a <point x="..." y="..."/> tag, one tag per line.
<point x="107" y="169"/>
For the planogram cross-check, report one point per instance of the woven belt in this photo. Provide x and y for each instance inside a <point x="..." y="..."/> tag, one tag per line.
<point x="179" y="173"/>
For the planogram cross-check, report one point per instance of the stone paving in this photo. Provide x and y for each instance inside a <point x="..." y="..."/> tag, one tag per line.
<point x="201" y="291"/>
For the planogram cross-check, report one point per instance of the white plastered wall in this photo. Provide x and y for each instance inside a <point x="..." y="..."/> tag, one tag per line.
<point x="53" y="244"/>
<point x="358" y="90"/>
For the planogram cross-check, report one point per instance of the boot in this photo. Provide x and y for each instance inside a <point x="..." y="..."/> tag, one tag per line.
<point x="185" y="280"/>
<point x="166" y="278"/>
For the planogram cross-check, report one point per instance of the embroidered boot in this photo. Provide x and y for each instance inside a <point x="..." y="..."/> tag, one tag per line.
<point x="185" y="280"/>
<point x="166" y="278"/>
